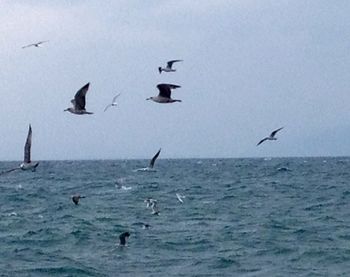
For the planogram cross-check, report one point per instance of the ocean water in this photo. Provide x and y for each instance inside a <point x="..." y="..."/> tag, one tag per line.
<point x="240" y="217"/>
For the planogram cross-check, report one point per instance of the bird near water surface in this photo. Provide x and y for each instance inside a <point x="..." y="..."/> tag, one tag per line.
<point x="27" y="162"/>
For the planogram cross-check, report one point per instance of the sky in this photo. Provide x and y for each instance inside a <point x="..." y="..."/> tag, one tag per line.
<point x="249" y="67"/>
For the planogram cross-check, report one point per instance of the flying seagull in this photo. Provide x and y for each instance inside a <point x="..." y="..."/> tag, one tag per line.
<point x="76" y="199"/>
<point x="79" y="101"/>
<point x="151" y="163"/>
<point x="114" y="103"/>
<point x="122" y="238"/>
<point x="164" y="95"/>
<point x="37" y="44"/>
<point x="168" y="67"/>
<point x="271" y="137"/>
<point x="27" y="163"/>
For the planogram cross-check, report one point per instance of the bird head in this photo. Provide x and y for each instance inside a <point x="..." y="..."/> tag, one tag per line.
<point x="160" y="70"/>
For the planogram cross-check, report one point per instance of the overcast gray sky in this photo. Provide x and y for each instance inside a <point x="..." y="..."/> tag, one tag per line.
<point x="250" y="66"/>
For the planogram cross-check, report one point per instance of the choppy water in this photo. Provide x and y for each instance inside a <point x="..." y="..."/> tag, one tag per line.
<point x="240" y="217"/>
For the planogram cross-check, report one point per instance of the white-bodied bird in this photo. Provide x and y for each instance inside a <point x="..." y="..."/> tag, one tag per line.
<point x="114" y="103"/>
<point x="168" y="67"/>
<point x="164" y="95"/>
<point x="37" y="44"/>
<point x="271" y="137"/>
<point x="27" y="162"/>
<point x="79" y="101"/>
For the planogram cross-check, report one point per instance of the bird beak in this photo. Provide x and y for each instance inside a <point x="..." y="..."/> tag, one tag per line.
<point x="148" y="98"/>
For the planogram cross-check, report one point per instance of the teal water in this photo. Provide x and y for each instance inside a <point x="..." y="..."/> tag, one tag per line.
<point x="240" y="217"/>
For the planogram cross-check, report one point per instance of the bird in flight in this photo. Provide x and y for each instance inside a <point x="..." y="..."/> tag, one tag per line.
<point x="37" y="44"/>
<point x="168" y="67"/>
<point x="79" y="101"/>
<point x="164" y="95"/>
<point x="27" y="163"/>
<point x="271" y="137"/>
<point x="151" y="163"/>
<point x="114" y="103"/>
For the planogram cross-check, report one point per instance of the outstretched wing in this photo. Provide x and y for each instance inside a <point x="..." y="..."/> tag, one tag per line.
<point x="275" y="132"/>
<point x="10" y="170"/>
<point x="260" y="142"/>
<point x="107" y="107"/>
<point x="115" y="97"/>
<point x="170" y="63"/>
<point x="165" y="89"/>
<point x="28" y="145"/>
<point x="151" y="164"/>
<point x="41" y="42"/>
<point x="29" y="45"/>
<point x="79" y="97"/>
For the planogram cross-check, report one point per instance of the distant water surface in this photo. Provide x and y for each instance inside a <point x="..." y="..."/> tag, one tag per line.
<point x="240" y="217"/>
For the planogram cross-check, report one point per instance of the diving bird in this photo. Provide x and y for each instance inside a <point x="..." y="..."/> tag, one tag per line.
<point x="114" y="103"/>
<point x="151" y="163"/>
<point x="271" y="137"/>
<point x="164" y="95"/>
<point x="76" y="198"/>
<point x="27" y="163"/>
<point x="123" y="237"/>
<point x="37" y="44"/>
<point x="168" y="67"/>
<point x="79" y="101"/>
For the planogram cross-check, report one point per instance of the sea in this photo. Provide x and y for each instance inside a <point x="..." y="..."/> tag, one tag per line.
<point x="238" y="217"/>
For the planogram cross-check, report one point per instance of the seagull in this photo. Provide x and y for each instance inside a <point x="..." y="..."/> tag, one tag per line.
<point x="27" y="163"/>
<point x="179" y="197"/>
<point x="114" y="103"/>
<point x="76" y="199"/>
<point x="168" y="66"/>
<point x="164" y="95"/>
<point x="151" y="163"/>
<point x="149" y="202"/>
<point x="79" y="101"/>
<point x="271" y="137"/>
<point x="37" y="44"/>
<point x="154" y="207"/>
<point x="123" y="237"/>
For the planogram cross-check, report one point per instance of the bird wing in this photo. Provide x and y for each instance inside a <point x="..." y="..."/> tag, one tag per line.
<point x="41" y="42"/>
<point x="165" y="89"/>
<point x="10" y="170"/>
<point x="29" y="45"/>
<point x="170" y="63"/>
<point x="115" y="98"/>
<point x="28" y="145"/>
<point x="179" y="197"/>
<point x="79" y="97"/>
<point x="275" y="132"/>
<point x="260" y="142"/>
<point x="108" y="106"/>
<point x="151" y="164"/>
